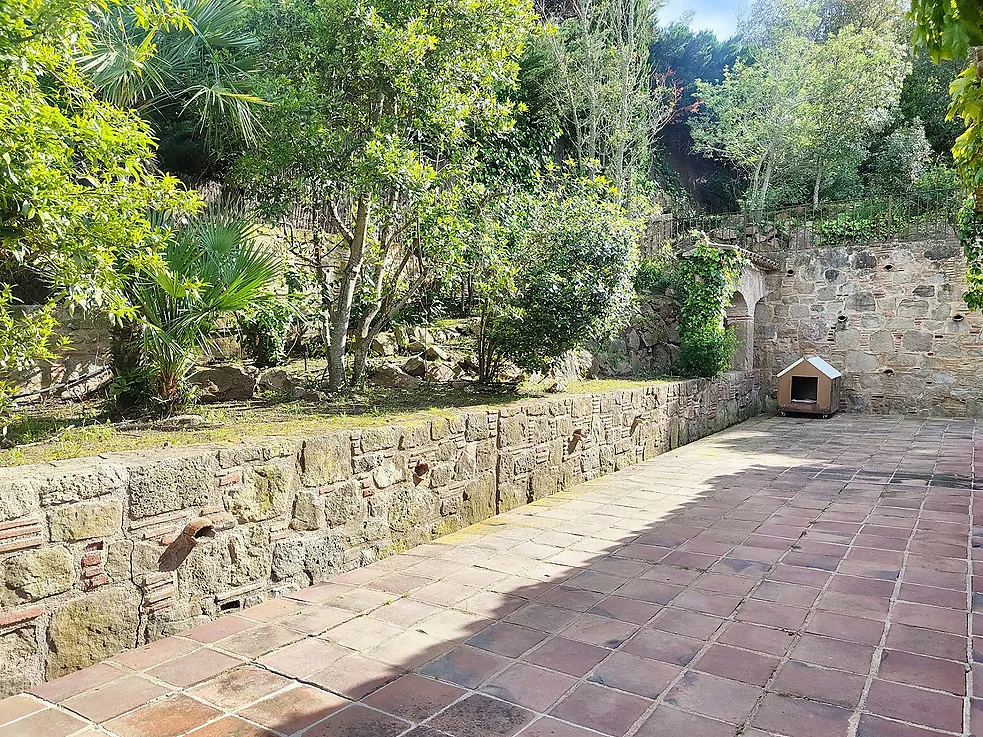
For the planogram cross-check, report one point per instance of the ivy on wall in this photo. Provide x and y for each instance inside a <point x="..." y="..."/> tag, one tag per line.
<point x="703" y="281"/>
<point x="969" y="228"/>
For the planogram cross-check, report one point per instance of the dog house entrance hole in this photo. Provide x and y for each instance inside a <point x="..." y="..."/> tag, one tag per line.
<point x="805" y="389"/>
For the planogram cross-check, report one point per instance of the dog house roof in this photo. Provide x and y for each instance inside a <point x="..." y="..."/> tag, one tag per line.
<point x="819" y="363"/>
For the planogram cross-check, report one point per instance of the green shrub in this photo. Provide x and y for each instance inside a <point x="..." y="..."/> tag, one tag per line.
<point x="707" y="353"/>
<point x="654" y="276"/>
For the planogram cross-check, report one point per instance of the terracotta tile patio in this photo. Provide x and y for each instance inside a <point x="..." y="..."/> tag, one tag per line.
<point x="786" y="577"/>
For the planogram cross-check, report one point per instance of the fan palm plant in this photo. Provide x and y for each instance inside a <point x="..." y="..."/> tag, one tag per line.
<point x="213" y="267"/>
<point x="199" y="67"/>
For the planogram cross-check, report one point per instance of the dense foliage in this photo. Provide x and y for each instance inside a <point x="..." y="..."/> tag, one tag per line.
<point x="375" y="106"/>
<point x="553" y="266"/>
<point x="213" y="266"/>
<point x="950" y="30"/>
<point x="702" y="280"/>
<point x="798" y="111"/>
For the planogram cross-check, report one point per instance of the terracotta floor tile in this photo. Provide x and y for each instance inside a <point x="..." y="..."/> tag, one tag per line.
<point x="409" y="650"/>
<point x="914" y="705"/>
<point x="926" y="642"/>
<point x="772" y="614"/>
<point x="156" y="653"/>
<point x="258" y="641"/>
<point x="465" y="666"/>
<point x="193" y="668"/>
<point x="930" y="617"/>
<point x="238" y="687"/>
<point x="652" y="592"/>
<point x="641" y="676"/>
<point x="45" y="723"/>
<point x="711" y="696"/>
<point x="169" y="717"/>
<point x="811" y="682"/>
<point x="361" y="633"/>
<point x="547" y="727"/>
<point x="414" y="697"/>
<point x="567" y="656"/>
<point x="668" y="722"/>
<point x="607" y="711"/>
<point x="934" y="596"/>
<point x="105" y="702"/>
<point x="404" y="612"/>
<point x="600" y="631"/>
<point x="480" y="716"/>
<point x="664" y="646"/>
<point x="625" y="610"/>
<point x="799" y="718"/>
<point x="919" y="670"/>
<point x="358" y="721"/>
<point x="355" y="676"/>
<point x="15" y="707"/>
<point x="294" y="709"/>
<point x="688" y="623"/>
<point x="507" y="639"/>
<point x="578" y="600"/>
<point x="844" y="627"/>
<point x="756" y="637"/>
<point x="231" y="727"/>
<point x="315" y="620"/>
<point x="65" y="687"/>
<point x="738" y="665"/>
<point x="218" y="629"/>
<point x="543" y="617"/>
<point x="831" y="653"/>
<point x="273" y="609"/>
<point x="304" y="657"/>
<point x="871" y="726"/>
<point x="720" y="605"/>
<point x="529" y="686"/>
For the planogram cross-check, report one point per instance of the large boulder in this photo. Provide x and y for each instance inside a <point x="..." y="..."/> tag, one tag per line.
<point x="395" y="378"/>
<point x="440" y="373"/>
<point x="436" y="353"/>
<point x="279" y="380"/>
<point x="415" y="366"/>
<point x="384" y="344"/>
<point x="225" y="383"/>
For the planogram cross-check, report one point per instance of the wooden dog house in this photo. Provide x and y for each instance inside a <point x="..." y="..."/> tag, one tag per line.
<point x="810" y="386"/>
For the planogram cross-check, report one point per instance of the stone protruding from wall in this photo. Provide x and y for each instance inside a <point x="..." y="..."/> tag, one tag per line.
<point x="100" y="554"/>
<point x="890" y="316"/>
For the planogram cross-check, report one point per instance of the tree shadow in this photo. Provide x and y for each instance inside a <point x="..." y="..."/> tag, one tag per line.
<point x="586" y="612"/>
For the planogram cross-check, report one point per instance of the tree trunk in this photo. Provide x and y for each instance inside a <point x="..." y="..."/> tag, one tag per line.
<point x="342" y="313"/>
<point x="816" y="187"/>
<point x="125" y="352"/>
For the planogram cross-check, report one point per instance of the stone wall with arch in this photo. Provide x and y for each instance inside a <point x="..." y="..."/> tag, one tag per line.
<point x="889" y="315"/>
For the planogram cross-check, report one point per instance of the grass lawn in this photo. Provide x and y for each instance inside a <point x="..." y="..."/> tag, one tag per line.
<point x="61" y="431"/>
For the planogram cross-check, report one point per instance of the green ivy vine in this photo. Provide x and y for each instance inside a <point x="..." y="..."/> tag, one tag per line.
<point x="703" y="281"/>
<point x="969" y="228"/>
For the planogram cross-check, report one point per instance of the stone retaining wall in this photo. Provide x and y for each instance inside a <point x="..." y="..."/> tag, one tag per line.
<point x="890" y="316"/>
<point x="93" y="559"/>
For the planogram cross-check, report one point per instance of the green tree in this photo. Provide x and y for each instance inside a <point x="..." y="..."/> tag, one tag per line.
<point x="554" y="267"/>
<point x="374" y="103"/>
<point x="805" y="101"/>
<point x="612" y="106"/>
<point x="950" y="29"/>
<point x="78" y="180"/>
<point x="852" y="86"/>
<point x="191" y="74"/>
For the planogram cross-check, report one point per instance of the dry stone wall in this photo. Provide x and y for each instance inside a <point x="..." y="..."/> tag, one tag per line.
<point x="890" y="316"/>
<point x="101" y="554"/>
